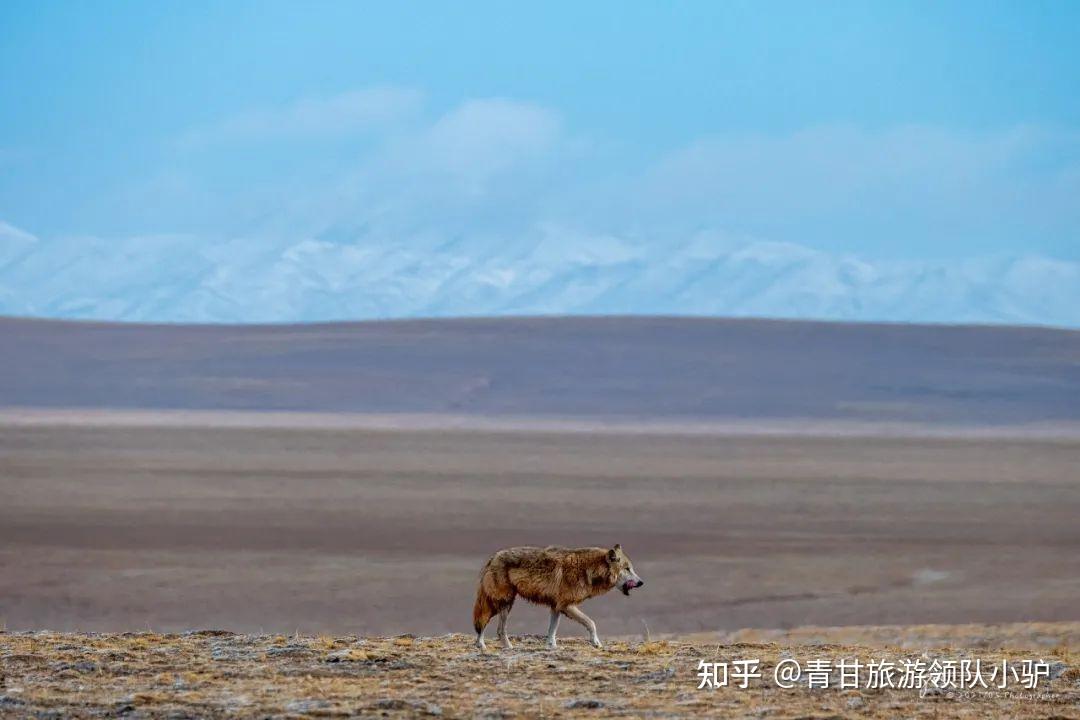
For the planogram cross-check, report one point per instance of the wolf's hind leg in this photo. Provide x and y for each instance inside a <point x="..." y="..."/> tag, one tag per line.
<point x="480" y="644"/>
<point x="501" y="633"/>
<point x="553" y="627"/>
<point x="574" y="613"/>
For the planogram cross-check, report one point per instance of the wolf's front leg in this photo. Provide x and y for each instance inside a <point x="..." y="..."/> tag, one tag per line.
<point x="553" y="627"/>
<point x="574" y="613"/>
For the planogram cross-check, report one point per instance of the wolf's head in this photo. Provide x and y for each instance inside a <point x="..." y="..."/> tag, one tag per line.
<point x="626" y="579"/>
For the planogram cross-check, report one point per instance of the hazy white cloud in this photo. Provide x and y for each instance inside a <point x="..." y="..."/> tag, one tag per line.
<point x="13" y="237"/>
<point x="484" y="162"/>
<point x="498" y="164"/>
<point x="313" y="117"/>
<point x="482" y="138"/>
<point x="923" y="181"/>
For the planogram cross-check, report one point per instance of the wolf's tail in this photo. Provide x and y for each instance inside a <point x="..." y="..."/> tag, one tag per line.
<point x="484" y="608"/>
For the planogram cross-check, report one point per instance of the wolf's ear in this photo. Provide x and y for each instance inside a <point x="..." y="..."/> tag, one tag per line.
<point x="613" y="553"/>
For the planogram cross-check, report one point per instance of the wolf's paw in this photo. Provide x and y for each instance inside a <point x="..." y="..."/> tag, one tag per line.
<point x="507" y="645"/>
<point x="551" y="644"/>
<point x="596" y="643"/>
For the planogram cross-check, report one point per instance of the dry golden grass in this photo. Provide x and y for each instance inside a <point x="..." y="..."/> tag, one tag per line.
<point x="218" y="674"/>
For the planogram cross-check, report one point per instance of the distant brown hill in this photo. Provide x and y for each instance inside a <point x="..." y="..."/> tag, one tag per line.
<point x="617" y="367"/>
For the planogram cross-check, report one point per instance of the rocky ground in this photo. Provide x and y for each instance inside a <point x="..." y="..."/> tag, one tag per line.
<point x="219" y="674"/>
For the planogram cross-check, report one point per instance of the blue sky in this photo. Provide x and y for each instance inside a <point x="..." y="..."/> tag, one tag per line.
<point x="892" y="131"/>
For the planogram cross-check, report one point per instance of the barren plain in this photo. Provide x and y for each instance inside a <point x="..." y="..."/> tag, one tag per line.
<point x="114" y="528"/>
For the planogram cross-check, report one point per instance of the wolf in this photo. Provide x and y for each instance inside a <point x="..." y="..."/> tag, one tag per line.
<point x="560" y="578"/>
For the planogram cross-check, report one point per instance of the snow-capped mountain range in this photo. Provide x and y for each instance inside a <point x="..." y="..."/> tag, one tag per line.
<point x="346" y="276"/>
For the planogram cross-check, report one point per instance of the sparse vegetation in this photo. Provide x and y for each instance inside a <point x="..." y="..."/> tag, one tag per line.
<point x="217" y="674"/>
